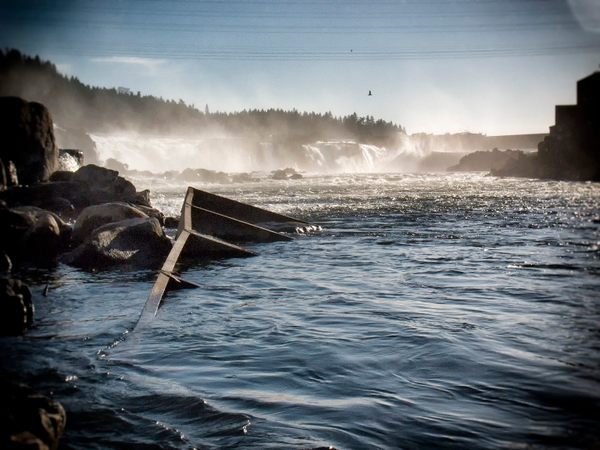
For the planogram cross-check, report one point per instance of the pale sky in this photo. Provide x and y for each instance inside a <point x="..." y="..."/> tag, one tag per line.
<point x="491" y="66"/>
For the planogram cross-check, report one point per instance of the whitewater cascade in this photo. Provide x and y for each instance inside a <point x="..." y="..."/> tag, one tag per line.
<point x="234" y="155"/>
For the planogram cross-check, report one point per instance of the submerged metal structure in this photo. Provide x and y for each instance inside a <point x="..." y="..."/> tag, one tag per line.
<point x="212" y="226"/>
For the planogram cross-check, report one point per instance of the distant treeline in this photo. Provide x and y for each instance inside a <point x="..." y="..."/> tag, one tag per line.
<point x="75" y="105"/>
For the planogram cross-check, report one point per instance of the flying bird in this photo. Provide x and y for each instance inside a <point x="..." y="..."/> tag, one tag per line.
<point x="370" y="93"/>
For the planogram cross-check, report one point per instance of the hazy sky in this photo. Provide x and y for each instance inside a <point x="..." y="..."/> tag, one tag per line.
<point x="494" y="66"/>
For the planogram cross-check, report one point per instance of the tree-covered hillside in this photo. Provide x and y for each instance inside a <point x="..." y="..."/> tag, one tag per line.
<point x="76" y="105"/>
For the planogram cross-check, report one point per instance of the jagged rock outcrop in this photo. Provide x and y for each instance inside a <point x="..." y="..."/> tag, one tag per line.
<point x="27" y="139"/>
<point x="133" y="242"/>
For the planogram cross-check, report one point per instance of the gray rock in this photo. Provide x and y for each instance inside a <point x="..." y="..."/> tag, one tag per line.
<point x="62" y="175"/>
<point x="151" y="212"/>
<point x="104" y="185"/>
<point x="135" y="243"/>
<point x="143" y="198"/>
<point x="95" y="216"/>
<point x="171" y="222"/>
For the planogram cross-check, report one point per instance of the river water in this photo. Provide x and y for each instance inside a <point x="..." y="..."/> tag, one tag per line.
<point x="432" y="311"/>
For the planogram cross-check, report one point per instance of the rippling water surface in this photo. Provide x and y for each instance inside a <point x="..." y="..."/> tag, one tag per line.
<point x="433" y="311"/>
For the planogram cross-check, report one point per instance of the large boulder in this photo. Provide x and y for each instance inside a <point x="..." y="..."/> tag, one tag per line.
<point x="16" y="307"/>
<point x="27" y="139"/>
<point x="31" y="233"/>
<point x="95" y="216"/>
<point x="133" y="242"/>
<point x="29" y="420"/>
<point x="104" y="185"/>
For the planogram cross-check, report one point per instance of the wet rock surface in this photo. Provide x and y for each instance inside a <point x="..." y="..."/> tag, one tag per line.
<point x="33" y="234"/>
<point x="27" y="139"/>
<point x="16" y="307"/>
<point x="29" y="420"/>
<point x="95" y="216"/>
<point x="134" y="243"/>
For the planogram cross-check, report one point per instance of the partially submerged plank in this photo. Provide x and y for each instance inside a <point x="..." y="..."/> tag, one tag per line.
<point x="203" y="246"/>
<point x="205" y="218"/>
<point x="176" y="282"/>
<point x="189" y="243"/>
<point x="235" y="209"/>
<point x="231" y="229"/>
<point x="162" y="281"/>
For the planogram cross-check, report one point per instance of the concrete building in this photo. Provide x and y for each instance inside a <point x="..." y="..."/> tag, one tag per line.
<point x="572" y="149"/>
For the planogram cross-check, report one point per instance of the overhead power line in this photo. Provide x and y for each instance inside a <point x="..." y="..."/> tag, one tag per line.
<point x="329" y="55"/>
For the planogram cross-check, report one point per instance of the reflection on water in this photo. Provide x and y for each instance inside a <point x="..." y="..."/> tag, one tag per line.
<point x="454" y="311"/>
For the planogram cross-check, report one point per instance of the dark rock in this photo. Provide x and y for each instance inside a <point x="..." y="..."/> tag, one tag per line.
<point x="143" y="198"/>
<point x="29" y="420"/>
<point x="486" y="160"/>
<point x="151" y="212"/>
<point x="96" y="216"/>
<point x="27" y="139"/>
<point x="61" y="206"/>
<point x="5" y="263"/>
<point x="133" y="242"/>
<point x="62" y="175"/>
<point x="525" y="166"/>
<point x="16" y="307"/>
<point x="95" y="175"/>
<point x="286" y="174"/>
<point x="31" y="233"/>
<point x="171" y="222"/>
<point x="90" y="185"/>
<point x="104" y="185"/>
<point x="60" y="197"/>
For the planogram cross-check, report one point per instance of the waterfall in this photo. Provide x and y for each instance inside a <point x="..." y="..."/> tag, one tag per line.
<point x="234" y="155"/>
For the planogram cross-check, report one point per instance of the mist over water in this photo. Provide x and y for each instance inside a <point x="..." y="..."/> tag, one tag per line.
<point x="230" y="154"/>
